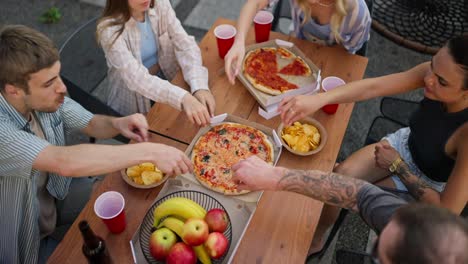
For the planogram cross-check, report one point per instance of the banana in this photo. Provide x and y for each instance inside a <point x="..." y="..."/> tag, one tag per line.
<point x="177" y="225"/>
<point x="202" y="255"/>
<point x="178" y="206"/>
<point x="173" y="224"/>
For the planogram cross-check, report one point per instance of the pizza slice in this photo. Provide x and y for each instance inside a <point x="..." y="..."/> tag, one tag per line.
<point x="263" y="59"/>
<point x="270" y="83"/>
<point x="284" y="53"/>
<point x="297" y="68"/>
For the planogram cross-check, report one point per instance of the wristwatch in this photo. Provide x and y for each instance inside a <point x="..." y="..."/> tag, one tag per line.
<point x="395" y="164"/>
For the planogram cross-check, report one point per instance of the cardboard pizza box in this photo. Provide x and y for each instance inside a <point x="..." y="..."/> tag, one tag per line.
<point x="307" y="85"/>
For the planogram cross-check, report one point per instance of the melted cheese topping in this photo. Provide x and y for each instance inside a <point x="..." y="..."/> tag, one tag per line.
<point x="223" y="146"/>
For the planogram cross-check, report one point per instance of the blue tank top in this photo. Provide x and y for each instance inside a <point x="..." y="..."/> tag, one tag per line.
<point x="431" y="126"/>
<point x="148" y="46"/>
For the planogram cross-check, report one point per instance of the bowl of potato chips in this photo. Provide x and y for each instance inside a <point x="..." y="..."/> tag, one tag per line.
<point x="304" y="137"/>
<point x="144" y="176"/>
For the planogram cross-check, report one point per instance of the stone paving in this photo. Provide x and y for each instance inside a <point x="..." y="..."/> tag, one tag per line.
<point x="197" y="16"/>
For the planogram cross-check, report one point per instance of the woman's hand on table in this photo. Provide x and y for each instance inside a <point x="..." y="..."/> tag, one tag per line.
<point x="297" y="107"/>
<point x="205" y="97"/>
<point x="385" y="155"/>
<point x="196" y="112"/>
<point x="134" y="127"/>
<point x="255" y="174"/>
<point x="170" y="160"/>
<point x="233" y="60"/>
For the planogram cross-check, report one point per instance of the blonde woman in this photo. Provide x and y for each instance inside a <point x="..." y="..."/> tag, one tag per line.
<point x="145" y="45"/>
<point x="328" y="22"/>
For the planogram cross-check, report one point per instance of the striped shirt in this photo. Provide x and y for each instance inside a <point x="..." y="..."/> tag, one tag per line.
<point x="131" y="85"/>
<point x="354" y="31"/>
<point x="19" y="147"/>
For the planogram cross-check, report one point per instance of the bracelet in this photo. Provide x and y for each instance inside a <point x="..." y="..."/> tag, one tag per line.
<point x="395" y="164"/>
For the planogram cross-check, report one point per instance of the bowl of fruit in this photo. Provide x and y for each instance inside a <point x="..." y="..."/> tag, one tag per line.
<point x="144" y="176"/>
<point x="186" y="227"/>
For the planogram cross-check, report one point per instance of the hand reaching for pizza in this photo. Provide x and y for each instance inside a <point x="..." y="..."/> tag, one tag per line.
<point x="255" y="174"/>
<point x="195" y="111"/>
<point x="170" y="160"/>
<point x="295" y="108"/>
<point x="233" y="61"/>
<point x="206" y="98"/>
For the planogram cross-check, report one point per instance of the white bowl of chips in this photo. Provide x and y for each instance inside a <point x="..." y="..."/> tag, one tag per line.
<point x="144" y="176"/>
<point x="304" y="137"/>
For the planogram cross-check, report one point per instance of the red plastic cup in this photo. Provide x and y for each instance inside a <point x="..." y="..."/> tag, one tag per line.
<point x="225" y="38"/>
<point x="109" y="206"/>
<point x="262" y="22"/>
<point x="329" y="84"/>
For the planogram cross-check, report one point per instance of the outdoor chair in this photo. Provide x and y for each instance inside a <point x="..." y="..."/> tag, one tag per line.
<point x="282" y="12"/>
<point x="84" y="69"/>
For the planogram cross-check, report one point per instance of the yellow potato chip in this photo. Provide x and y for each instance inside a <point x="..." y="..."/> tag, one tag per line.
<point x="313" y="145"/>
<point x="147" y="166"/>
<point x="301" y="137"/>
<point x="290" y="140"/>
<point x="138" y="180"/>
<point x="316" y="138"/>
<point x="150" y="177"/>
<point x="133" y="171"/>
<point x="309" y="129"/>
<point x="302" y="144"/>
<point x="292" y="130"/>
<point x="303" y="148"/>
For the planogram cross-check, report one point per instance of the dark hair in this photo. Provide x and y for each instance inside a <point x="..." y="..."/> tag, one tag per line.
<point x="458" y="48"/>
<point x="23" y="51"/>
<point x="116" y="13"/>
<point x="425" y="230"/>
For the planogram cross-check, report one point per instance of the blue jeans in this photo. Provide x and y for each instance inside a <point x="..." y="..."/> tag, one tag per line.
<point x="67" y="211"/>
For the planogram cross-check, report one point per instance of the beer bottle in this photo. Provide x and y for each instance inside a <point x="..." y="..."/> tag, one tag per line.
<point x="94" y="247"/>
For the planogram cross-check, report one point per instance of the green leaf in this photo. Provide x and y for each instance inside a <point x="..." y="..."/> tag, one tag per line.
<point x="52" y="15"/>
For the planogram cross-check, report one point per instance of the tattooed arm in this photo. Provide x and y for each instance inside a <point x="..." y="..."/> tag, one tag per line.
<point x="254" y="174"/>
<point x="385" y="155"/>
<point x="454" y="196"/>
<point x="420" y="190"/>
<point x="330" y="188"/>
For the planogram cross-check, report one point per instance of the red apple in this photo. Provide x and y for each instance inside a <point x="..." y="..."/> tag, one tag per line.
<point x="181" y="253"/>
<point x="216" y="244"/>
<point x="194" y="232"/>
<point x="161" y="242"/>
<point x="217" y="220"/>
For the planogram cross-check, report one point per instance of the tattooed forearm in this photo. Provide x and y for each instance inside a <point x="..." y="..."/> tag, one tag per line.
<point x="416" y="187"/>
<point x="330" y="188"/>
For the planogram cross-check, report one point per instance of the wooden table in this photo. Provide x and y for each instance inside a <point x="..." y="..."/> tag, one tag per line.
<point x="283" y="225"/>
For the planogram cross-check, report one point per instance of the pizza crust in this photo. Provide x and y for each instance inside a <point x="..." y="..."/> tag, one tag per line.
<point x="219" y="189"/>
